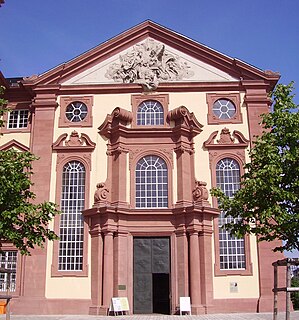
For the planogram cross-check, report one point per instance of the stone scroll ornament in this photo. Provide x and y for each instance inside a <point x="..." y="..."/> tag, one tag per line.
<point x="101" y="194"/>
<point x="200" y="192"/>
<point x="148" y="64"/>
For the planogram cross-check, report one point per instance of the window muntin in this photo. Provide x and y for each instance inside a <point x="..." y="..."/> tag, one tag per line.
<point x="76" y="111"/>
<point x="224" y="109"/>
<point x="71" y="222"/>
<point x="150" y="113"/>
<point x="8" y="260"/>
<point x="151" y="183"/>
<point x="232" y="249"/>
<point x="18" y="119"/>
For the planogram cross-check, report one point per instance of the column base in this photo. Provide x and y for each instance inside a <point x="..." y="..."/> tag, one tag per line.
<point x="198" y="309"/>
<point x="98" y="310"/>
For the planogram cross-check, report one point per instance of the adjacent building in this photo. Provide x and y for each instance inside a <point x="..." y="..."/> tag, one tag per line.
<point x="131" y="136"/>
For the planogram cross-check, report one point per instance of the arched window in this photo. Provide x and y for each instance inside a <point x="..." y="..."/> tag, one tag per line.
<point x="151" y="183"/>
<point x="232" y="249"/>
<point x="71" y="220"/>
<point x="150" y="113"/>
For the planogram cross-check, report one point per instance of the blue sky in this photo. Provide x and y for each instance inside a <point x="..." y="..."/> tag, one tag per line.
<point x="37" y="35"/>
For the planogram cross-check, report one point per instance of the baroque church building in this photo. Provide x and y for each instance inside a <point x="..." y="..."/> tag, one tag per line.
<point x="131" y="136"/>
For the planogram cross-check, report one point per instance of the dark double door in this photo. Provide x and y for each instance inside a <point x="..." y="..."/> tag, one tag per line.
<point x="151" y="275"/>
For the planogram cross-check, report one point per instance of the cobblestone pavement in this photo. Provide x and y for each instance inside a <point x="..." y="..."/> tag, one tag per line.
<point x="234" y="316"/>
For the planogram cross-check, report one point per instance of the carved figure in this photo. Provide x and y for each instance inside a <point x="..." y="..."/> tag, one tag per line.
<point x="147" y="63"/>
<point x="101" y="194"/>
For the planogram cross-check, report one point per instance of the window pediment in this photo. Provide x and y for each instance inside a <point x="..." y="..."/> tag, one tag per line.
<point x="74" y="142"/>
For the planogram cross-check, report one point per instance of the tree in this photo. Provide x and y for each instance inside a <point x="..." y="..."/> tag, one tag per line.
<point x="3" y="107"/>
<point x="267" y="204"/>
<point x="22" y="222"/>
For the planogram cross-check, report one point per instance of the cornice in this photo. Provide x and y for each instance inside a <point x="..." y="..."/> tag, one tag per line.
<point x="150" y="29"/>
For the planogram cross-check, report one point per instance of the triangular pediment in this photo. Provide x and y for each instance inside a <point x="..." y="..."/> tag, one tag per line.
<point x="146" y="59"/>
<point x="153" y="53"/>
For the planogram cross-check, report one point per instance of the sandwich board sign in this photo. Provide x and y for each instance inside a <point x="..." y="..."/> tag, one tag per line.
<point x="124" y="304"/>
<point x="185" y="305"/>
<point x="119" y="304"/>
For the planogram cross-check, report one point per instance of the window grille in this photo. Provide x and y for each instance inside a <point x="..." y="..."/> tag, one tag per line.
<point x="232" y="249"/>
<point x="151" y="183"/>
<point x="149" y="113"/>
<point x="18" y="119"/>
<point x="71" y="221"/>
<point x="8" y="261"/>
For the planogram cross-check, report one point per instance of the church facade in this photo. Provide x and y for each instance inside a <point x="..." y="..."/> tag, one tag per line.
<point x="131" y="136"/>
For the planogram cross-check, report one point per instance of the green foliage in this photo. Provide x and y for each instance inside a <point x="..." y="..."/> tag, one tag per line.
<point x="3" y="108"/>
<point x="22" y="222"/>
<point x="295" y="295"/>
<point x="268" y="201"/>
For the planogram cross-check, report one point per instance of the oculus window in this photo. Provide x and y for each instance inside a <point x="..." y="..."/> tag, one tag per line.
<point x="224" y="109"/>
<point x="76" y="111"/>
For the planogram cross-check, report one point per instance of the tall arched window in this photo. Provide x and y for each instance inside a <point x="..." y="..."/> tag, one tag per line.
<point x="232" y="249"/>
<point x="150" y="113"/>
<point x="151" y="183"/>
<point x="71" y="221"/>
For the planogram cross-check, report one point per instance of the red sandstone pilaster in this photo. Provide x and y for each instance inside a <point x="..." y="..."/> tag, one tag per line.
<point x="96" y="272"/>
<point x="41" y="141"/>
<point x="121" y="264"/>
<point x="108" y="269"/>
<point x="257" y="102"/>
<point x="182" y="263"/>
<point x="195" y="288"/>
<point x="185" y="179"/>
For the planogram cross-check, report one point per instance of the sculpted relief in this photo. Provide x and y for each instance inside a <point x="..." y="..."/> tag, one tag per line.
<point x="148" y="64"/>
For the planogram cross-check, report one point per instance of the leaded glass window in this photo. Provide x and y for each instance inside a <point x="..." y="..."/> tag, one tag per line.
<point x="232" y="249"/>
<point x="76" y="111"/>
<point x="8" y="261"/>
<point x="18" y="119"/>
<point x="224" y="109"/>
<point x="71" y="220"/>
<point x="150" y="113"/>
<point x="151" y="183"/>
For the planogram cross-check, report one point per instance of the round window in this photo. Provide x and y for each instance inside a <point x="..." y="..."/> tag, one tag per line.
<point x="76" y="111"/>
<point x="224" y="109"/>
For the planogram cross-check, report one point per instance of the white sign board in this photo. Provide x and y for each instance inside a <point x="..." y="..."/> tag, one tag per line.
<point x="124" y="303"/>
<point x="116" y="305"/>
<point x="185" y="304"/>
<point x="119" y="304"/>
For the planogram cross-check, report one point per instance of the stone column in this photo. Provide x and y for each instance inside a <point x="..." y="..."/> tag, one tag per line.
<point x="195" y="288"/>
<point x="121" y="264"/>
<point x="182" y="263"/>
<point x="96" y="272"/>
<point x="206" y="267"/>
<point x="108" y="269"/>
